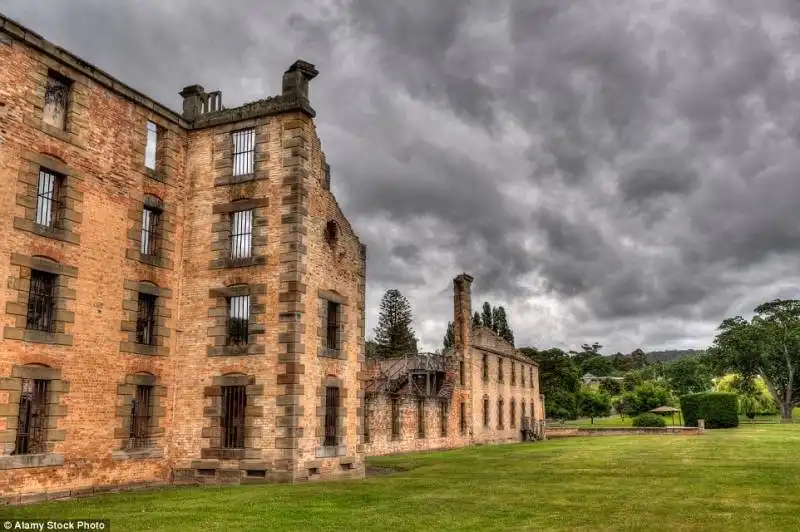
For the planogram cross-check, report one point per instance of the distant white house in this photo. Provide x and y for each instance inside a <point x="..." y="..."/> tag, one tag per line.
<point x="589" y="379"/>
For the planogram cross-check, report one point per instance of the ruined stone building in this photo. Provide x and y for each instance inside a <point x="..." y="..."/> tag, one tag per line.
<point x="480" y="391"/>
<point x="183" y="298"/>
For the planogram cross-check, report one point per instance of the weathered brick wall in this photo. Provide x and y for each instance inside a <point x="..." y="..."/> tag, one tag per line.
<point x="103" y="151"/>
<point x="474" y="343"/>
<point x="94" y="361"/>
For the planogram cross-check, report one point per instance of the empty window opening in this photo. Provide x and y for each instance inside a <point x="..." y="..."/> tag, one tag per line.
<point x="500" y="369"/>
<point x="56" y="101"/>
<point x="234" y="403"/>
<point x="513" y="373"/>
<point x="420" y="418"/>
<point x="331" y="233"/>
<point x="513" y="416"/>
<point x="244" y="149"/>
<point x="331" y="416"/>
<point x="461" y="377"/>
<point x="462" y="415"/>
<point x="314" y="471"/>
<point x="395" y="417"/>
<point x="531" y="379"/>
<point x="49" y="199"/>
<point x="238" y="320"/>
<point x="206" y="472"/>
<point x="257" y="473"/>
<point x="366" y="421"/>
<point x="151" y="230"/>
<point x="146" y="319"/>
<point x="485" y="367"/>
<point x="242" y="235"/>
<point x="486" y="412"/>
<point x="443" y="418"/>
<point x="42" y="301"/>
<point x="522" y="375"/>
<point x="32" y="421"/>
<point x="141" y="418"/>
<point x="150" y="150"/>
<point x="332" y="329"/>
<point x="500" y="414"/>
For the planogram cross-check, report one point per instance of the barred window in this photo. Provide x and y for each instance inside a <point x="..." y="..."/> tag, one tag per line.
<point x="49" y="199"/>
<point x="242" y="234"/>
<point x="485" y="367"/>
<point x="395" y="417"/>
<point x="146" y="319"/>
<point x="500" y="414"/>
<point x="244" y="150"/>
<point x="463" y="417"/>
<point x="443" y="417"/>
<point x="332" y="329"/>
<point x="42" y="301"/>
<point x="234" y="403"/>
<point x="141" y="418"/>
<point x="486" y="412"/>
<point x="151" y="230"/>
<point x="32" y="421"/>
<point x="150" y="148"/>
<point x="331" y="415"/>
<point x="238" y="320"/>
<point x="420" y="418"/>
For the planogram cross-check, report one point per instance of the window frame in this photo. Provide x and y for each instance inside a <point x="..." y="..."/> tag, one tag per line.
<point x="443" y="418"/>
<point x="395" y="417"/>
<point x="233" y="416"/>
<point x="151" y="229"/>
<point x="140" y="432"/>
<point x="36" y="399"/>
<point x="238" y="303"/>
<point x="50" y="202"/>
<point x="420" y="418"/>
<point x="243" y="152"/>
<point x="333" y="400"/>
<point x="500" y="420"/>
<point x="42" y="305"/>
<point x="55" y="79"/>
<point x="146" y="325"/>
<point x="241" y="235"/>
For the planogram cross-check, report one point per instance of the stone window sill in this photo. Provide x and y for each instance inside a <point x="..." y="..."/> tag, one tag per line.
<point x="137" y="454"/>
<point x="331" y="353"/>
<point x="331" y="451"/>
<point x="157" y="260"/>
<point x="48" y="232"/>
<point x="20" y="461"/>
<point x="38" y="337"/>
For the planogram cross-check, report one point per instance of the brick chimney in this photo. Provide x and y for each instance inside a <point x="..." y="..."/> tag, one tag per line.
<point x="194" y="97"/>
<point x="295" y="80"/>
<point x="462" y="312"/>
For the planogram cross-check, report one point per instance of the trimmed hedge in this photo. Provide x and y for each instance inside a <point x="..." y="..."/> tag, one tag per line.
<point x="649" y="420"/>
<point x="719" y="409"/>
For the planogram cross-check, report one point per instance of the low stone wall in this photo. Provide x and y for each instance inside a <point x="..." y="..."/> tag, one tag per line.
<point x="32" y="498"/>
<point x="565" y="432"/>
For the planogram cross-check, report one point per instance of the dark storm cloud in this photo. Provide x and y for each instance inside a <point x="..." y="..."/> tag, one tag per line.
<point x="620" y="172"/>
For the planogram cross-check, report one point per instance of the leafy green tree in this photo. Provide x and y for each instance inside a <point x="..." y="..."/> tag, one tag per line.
<point x="631" y="380"/>
<point x="638" y="359"/>
<point x="621" y="363"/>
<point x="611" y="387"/>
<point x="370" y="349"/>
<point x="597" y="365"/>
<point x="625" y="405"/>
<point x="394" y="334"/>
<point x="476" y="320"/>
<point x="752" y="393"/>
<point x="592" y="404"/>
<point x="500" y="323"/>
<point x="561" y="405"/>
<point x="557" y="372"/>
<point x="688" y="375"/>
<point x="486" y="316"/>
<point x="450" y="336"/>
<point x="650" y="395"/>
<point x="767" y="346"/>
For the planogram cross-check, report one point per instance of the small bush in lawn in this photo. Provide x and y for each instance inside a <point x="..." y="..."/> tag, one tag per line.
<point x="719" y="409"/>
<point x="649" y="420"/>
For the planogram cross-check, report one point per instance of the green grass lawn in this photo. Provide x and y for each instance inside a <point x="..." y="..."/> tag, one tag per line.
<point x="735" y="479"/>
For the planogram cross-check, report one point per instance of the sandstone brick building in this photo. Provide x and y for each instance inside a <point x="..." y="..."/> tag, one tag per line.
<point x="183" y="299"/>
<point x="480" y="391"/>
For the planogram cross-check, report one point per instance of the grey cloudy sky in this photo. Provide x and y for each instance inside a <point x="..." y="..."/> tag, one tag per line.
<point x="621" y="172"/>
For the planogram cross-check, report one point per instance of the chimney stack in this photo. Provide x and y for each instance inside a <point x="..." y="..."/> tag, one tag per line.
<point x="295" y="80"/>
<point x="194" y="97"/>
<point x="462" y="312"/>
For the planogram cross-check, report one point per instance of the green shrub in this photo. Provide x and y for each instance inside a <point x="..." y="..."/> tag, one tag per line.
<point x="719" y="409"/>
<point x="649" y="420"/>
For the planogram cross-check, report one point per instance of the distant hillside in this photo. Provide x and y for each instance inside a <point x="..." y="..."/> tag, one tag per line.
<point x="669" y="356"/>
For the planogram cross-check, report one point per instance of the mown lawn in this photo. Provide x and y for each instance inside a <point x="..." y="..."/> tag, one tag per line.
<point x="735" y="479"/>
